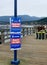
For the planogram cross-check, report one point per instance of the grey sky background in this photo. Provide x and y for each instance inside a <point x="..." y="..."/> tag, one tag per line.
<point x="24" y="7"/>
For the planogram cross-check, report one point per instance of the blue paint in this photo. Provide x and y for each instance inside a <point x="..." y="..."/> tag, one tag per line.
<point x="15" y="36"/>
<point x="15" y="20"/>
<point x="16" y="30"/>
<point x="16" y="46"/>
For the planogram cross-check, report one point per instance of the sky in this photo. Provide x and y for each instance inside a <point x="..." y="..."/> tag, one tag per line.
<point x="24" y="7"/>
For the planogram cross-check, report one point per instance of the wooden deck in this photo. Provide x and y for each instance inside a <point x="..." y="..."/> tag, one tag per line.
<point x="33" y="52"/>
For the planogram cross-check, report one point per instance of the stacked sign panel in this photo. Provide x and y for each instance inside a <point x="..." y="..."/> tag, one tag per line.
<point x="15" y="33"/>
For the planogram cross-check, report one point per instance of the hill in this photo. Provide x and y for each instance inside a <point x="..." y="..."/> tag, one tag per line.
<point x="25" y="19"/>
<point x="42" y="21"/>
<point x="5" y="19"/>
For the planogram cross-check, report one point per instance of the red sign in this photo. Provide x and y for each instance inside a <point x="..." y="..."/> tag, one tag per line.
<point x="15" y="41"/>
<point x="15" y="24"/>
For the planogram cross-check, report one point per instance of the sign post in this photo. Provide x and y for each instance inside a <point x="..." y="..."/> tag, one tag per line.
<point x="15" y="36"/>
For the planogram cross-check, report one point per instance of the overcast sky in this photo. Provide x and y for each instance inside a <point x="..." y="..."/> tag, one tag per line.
<point x="25" y="7"/>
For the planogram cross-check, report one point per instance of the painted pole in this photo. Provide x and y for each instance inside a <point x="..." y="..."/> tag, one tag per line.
<point x="15" y="61"/>
<point x="15" y="8"/>
<point x="15" y="15"/>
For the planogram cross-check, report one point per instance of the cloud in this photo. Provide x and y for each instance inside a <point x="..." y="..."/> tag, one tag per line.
<point x="30" y="7"/>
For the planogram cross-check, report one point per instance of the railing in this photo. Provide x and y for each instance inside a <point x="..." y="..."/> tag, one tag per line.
<point x="4" y="35"/>
<point x="5" y="32"/>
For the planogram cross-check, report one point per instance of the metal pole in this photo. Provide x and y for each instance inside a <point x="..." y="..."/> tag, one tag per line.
<point x="15" y="8"/>
<point x="15" y="15"/>
<point x="15" y="61"/>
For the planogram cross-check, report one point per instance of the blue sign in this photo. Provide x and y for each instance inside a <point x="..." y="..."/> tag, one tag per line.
<point x="15" y="29"/>
<point x="15" y="36"/>
<point x="15" y="46"/>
